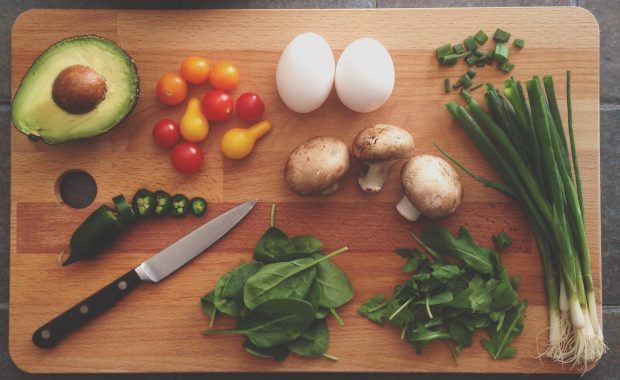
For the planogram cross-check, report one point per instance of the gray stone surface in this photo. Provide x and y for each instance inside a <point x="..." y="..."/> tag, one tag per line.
<point x="607" y="12"/>
<point x="610" y="199"/>
<point x="608" y="15"/>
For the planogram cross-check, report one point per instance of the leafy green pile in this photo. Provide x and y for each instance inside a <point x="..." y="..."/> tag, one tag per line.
<point x="442" y="300"/>
<point x="282" y="298"/>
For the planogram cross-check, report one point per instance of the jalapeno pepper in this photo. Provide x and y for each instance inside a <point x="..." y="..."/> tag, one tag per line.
<point x="163" y="203"/>
<point x="98" y="231"/>
<point x="125" y="211"/>
<point x="198" y="206"/>
<point x="143" y="203"/>
<point x="180" y="205"/>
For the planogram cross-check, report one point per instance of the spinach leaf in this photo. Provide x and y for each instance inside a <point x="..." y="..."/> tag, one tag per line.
<point x="273" y="246"/>
<point x="291" y="279"/>
<point x="313" y="342"/>
<point x="306" y="245"/>
<point x="334" y="285"/>
<point x="314" y="296"/>
<point x="273" y="323"/>
<point x="278" y="353"/>
<point x="322" y="312"/>
<point x="208" y="307"/>
<point x="228" y="295"/>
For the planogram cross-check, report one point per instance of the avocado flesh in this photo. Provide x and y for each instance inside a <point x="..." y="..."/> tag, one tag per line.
<point x="34" y="111"/>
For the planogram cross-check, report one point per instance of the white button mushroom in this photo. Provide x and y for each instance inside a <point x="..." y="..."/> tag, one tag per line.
<point x="317" y="165"/>
<point x="432" y="188"/>
<point x="378" y="147"/>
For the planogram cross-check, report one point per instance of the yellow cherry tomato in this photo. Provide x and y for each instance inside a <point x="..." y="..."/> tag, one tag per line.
<point x="237" y="143"/>
<point x="194" y="125"/>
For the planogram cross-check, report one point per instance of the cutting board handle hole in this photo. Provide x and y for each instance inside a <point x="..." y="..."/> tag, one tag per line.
<point x="76" y="188"/>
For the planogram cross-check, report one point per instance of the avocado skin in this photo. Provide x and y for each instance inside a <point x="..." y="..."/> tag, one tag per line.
<point x="127" y="58"/>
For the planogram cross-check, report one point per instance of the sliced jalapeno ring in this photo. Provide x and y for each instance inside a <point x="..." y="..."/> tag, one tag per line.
<point x="198" y="206"/>
<point x="163" y="203"/>
<point x="180" y="205"/>
<point x="143" y="203"/>
<point x="124" y="209"/>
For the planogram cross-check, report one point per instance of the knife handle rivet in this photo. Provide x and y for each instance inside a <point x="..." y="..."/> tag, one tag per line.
<point x="46" y="334"/>
<point x="83" y="309"/>
<point x="122" y="285"/>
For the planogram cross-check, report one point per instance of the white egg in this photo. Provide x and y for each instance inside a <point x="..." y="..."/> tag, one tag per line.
<point x="364" y="75"/>
<point x="305" y="73"/>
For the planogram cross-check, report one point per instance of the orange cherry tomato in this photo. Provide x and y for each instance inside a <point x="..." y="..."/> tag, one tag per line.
<point x="224" y="76"/>
<point x="195" y="70"/>
<point x="171" y="89"/>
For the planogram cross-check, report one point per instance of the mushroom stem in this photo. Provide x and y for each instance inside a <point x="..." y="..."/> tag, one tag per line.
<point x="407" y="210"/>
<point x="373" y="176"/>
<point x="331" y="189"/>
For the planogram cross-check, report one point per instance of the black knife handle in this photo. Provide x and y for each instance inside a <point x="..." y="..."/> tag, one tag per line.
<point x="50" y="333"/>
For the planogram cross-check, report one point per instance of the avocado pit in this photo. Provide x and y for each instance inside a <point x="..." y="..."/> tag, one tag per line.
<point x="78" y="89"/>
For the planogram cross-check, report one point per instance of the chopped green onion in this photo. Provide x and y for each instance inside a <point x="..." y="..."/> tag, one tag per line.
<point x="501" y="53"/>
<point x="470" y="43"/>
<point x="481" y="63"/>
<point x="443" y="50"/>
<point x="465" y="80"/>
<point x="458" y="49"/>
<point x="446" y="85"/>
<point x="506" y="67"/>
<point x="476" y="87"/>
<point x="450" y="59"/>
<point x="478" y="53"/>
<point x="457" y="85"/>
<point x="471" y="73"/>
<point x="471" y="60"/>
<point x="481" y="37"/>
<point x="519" y="43"/>
<point x="501" y="36"/>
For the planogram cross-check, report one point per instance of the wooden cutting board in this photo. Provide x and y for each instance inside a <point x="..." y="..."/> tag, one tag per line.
<point x="157" y="328"/>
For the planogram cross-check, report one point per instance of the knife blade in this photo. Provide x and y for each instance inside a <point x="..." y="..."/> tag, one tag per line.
<point x="154" y="269"/>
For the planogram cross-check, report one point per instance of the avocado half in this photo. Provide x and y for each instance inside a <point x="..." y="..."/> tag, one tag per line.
<point x="79" y="87"/>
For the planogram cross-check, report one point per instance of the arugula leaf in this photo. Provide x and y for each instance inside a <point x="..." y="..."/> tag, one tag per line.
<point x="502" y="241"/>
<point x="228" y="294"/>
<point x="371" y="309"/>
<point x="460" y="334"/>
<point x="462" y="247"/>
<point x="499" y="340"/>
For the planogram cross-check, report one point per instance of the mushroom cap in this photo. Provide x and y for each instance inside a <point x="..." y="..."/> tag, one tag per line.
<point x="382" y="143"/>
<point x="431" y="185"/>
<point x="316" y="165"/>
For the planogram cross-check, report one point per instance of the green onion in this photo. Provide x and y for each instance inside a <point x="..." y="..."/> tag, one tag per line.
<point x="465" y="80"/>
<point x="446" y="85"/>
<point x="501" y="53"/>
<point x="476" y="87"/>
<point x="501" y="36"/>
<point x="470" y="43"/>
<point x="450" y="59"/>
<point x="459" y="48"/>
<point x="471" y="73"/>
<point x="457" y="85"/>
<point x="481" y="37"/>
<point x="506" y="67"/>
<point x="519" y="43"/>
<point x="443" y="51"/>
<point x="478" y="53"/>
<point x="524" y="141"/>
<point x="472" y="60"/>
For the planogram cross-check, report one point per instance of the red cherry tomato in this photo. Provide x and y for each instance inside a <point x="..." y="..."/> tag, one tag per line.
<point x="217" y="105"/>
<point x="187" y="157"/>
<point x="166" y="133"/>
<point x="250" y="107"/>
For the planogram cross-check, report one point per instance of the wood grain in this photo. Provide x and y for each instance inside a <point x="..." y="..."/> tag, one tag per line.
<point x="157" y="328"/>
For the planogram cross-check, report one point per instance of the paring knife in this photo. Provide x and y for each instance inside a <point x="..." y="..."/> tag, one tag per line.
<point x="155" y="269"/>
